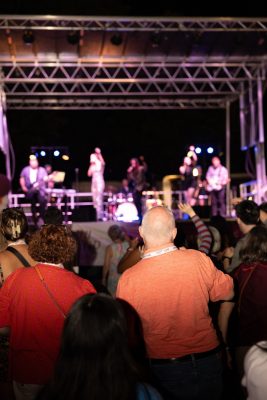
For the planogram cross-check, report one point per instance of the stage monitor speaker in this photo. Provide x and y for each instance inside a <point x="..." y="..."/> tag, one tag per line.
<point x="202" y="211"/>
<point x="84" y="214"/>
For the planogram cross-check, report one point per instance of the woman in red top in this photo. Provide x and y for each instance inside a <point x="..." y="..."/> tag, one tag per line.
<point x="33" y="304"/>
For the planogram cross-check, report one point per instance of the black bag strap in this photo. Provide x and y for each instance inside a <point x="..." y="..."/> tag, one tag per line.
<point x="19" y="256"/>
<point x="49" y="292"/>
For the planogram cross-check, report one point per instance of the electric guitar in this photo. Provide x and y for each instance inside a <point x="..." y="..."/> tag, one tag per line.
<point x="214" y="184"/>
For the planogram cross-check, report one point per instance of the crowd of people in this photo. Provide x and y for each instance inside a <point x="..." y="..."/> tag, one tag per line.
<point x="169" y="318"/>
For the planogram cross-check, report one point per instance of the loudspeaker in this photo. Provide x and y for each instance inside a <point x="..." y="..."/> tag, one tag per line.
<point x="84" y="214"/>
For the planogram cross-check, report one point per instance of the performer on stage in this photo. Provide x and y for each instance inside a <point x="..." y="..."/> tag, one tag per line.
<point x="33" y="180"/>
<point x="217" y="178"/>
<point x="96" y="171"/>
<point x="136" y="174"/>
<point x="189" y="182"/>
<point x="5" y="187"/>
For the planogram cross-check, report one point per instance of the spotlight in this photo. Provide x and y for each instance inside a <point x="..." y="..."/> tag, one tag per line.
<point x="33" y="156"/>
<point x="198" y="150"/>
<point x="43" y="153"/>
<point x="28" y="36"/>
<point x="116" y="39"/>
<point x="65" y="157"/>
<point x="210" y="150"/>
<point x="73" y="37"/>
<point x="56" y="153"/>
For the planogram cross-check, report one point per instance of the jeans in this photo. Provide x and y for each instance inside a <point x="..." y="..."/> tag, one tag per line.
<point x="195" y="379"/>
<point x="218" y="202"/>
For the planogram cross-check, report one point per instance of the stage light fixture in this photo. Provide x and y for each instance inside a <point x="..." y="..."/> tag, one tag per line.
<point x="43" y="153"/>
<point x="73" y="37"/>
<point x="198" y="150"/>
<point x="56" y="153"/>
<point x="65" y="157"/>
<point x="28" y="37"/>
<point x="210" y="150"/>
<point x="116" y="39"/>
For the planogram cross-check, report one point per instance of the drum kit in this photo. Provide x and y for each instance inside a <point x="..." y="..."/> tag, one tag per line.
<point x="121" y="207"/>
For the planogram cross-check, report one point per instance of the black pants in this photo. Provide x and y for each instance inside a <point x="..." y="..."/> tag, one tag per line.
<point x="218" y="202"/>
<point x="137" y="198"/>
<point x="34" y="198"/>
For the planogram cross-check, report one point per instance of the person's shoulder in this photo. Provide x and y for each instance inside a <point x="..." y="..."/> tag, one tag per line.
<point x="24" y="169"/>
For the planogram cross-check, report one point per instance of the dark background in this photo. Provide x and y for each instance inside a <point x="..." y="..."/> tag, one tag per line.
<point x="162" y="136"/>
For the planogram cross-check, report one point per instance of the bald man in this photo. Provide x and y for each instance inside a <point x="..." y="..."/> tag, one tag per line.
<point x="170" y="290"/>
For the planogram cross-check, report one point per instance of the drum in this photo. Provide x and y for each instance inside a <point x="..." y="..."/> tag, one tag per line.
<point x="126" y="212"/>
<point x="120" y="198"/>
<point x="150" y="203"/>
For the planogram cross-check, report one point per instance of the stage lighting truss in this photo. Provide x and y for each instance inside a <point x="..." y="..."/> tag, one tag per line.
<point x="119" y="80"/>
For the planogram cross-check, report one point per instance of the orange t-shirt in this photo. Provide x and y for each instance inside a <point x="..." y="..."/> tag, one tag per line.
<point x="171" y="292"/>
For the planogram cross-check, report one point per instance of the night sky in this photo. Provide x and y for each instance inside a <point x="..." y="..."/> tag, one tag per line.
<point x="161" y="136"/>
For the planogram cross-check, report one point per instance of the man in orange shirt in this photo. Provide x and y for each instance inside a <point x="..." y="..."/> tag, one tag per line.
<point x="170" y="289"/>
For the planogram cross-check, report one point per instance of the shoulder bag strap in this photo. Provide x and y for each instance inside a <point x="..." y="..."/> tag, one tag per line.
<point x="49" y="292"/>
<point x="19" y="256"/>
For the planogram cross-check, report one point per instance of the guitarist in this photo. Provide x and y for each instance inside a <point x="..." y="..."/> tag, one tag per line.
<point x="217" y="178"/>
<point x="33" y="180"/>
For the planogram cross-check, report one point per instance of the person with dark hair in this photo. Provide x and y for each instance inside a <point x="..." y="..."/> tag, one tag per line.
<point x="189" y="182"/>
<point x="248" y="323"/>
<point x="14" y="227"/>
<point x="33" y="180"/>
<point x="94" y="360"/>
<point x="170" y="290"/>
<point x="53" y="215"/>
<point x="33" y="305"/>
<point x="136" y="175"/>
<point x="113" y="254"/>
<point x="247" y="216"/>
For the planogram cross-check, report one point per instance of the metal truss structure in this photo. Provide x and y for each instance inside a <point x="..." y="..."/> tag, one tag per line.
<point x="132" y="23"/>
<point x="158" y="63"/>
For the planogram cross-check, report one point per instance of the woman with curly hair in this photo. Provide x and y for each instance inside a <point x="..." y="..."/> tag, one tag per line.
<point x="33" y="305"/>
<point x="14" y="227"/>
<point x="94" y="361"/>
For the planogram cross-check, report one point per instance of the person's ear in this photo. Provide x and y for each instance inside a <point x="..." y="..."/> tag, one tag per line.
<point x="174" y="233"/>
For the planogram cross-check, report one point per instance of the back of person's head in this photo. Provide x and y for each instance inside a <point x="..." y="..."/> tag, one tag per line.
<point x="53" y="244"/>
<point x="94" y="360"/>
<point x="248" y="212"/>
<point x="115" y="232"/>
<point x="14" y="224"/>
<point x="158" y="226"/>
<point x="254" y="246"/>
<point x="53" y="216"/>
